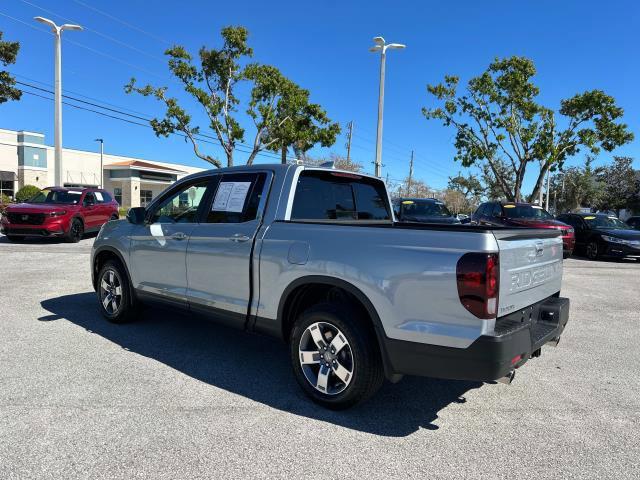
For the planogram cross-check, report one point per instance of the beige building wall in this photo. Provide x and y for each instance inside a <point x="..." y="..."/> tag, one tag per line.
<point x="8" y="151"/>
<point x="32" y="176"/>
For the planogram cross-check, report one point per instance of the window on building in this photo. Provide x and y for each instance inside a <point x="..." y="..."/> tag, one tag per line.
<point x="117" y="194"/>
<point x="145" y="197"/>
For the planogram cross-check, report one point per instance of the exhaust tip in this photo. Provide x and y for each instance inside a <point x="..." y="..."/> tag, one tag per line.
<point x="508" y="378"/>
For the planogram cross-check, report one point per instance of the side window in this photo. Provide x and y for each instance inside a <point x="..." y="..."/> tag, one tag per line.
<point x="237" y="198"/>
<point x="89" y="199"/>
<point x="181" y="206"/>
<point x="335" y="196"/>
<point x="496" y="211"/>
<point x="104" y="197"/>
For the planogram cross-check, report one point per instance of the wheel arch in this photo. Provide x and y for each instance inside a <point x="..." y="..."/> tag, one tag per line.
<point x="103" y="255"/>
<point x="291" y="302"/>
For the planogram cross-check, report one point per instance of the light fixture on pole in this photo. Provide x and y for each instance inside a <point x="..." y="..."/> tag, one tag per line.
<point x="381" y="46"/>
<point x="101" y="161"/>
<point x="57" y="31"/>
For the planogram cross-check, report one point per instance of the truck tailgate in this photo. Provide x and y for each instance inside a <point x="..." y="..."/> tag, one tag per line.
<point x="530" y="267"/>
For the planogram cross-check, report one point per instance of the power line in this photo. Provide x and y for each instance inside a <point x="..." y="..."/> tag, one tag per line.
<point x="103" y="35"/>
<point x="79" y="107"/>
<point x="123" y="22"/>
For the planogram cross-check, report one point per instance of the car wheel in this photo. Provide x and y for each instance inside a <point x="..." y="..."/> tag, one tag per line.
<point x="114" y="294"/>
<point x="115" y="216"/>
<point x="75" y="231"/>
<point x="593" y="251"/>
<point x="335" y="356"/>
<point x="566" y="255"/>
<point x="14" y="238"/>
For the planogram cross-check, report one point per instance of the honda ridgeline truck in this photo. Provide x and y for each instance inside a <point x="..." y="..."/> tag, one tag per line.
<point x="314" y="257"/>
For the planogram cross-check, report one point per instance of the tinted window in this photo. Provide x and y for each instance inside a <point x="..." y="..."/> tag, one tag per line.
<point x="237" y="198"/>
<point x="424" y="208"/>
<point x="181" y="206"/>
<point x="336" y="196"/>
<point x="496" y="210"/>
<point x="482" y="209"/>
<point x="526" y="211"/>
<point x="102" y="197"/>
<point x="57" y="196"/>
<point x="89" y="198"/>
<point x="601" y="221"/>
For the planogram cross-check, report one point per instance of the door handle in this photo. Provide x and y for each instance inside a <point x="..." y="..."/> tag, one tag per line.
<point x="178" y="236"/>
<point x="239" y="237"/>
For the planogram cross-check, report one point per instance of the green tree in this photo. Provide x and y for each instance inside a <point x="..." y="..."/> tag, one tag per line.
<point x="500" y="125"/>
<point x="26" y="193"/>
<point x="8" y="55"/>
<point x="576" y="187"/>
<point x="283" y="116"/>
<point x="470" y="187"/>
<point x="619" y="184"/>
<point x="280" y="109"/>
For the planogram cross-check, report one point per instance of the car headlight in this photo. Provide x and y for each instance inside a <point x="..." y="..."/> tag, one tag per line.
<point x="59" y="213"/>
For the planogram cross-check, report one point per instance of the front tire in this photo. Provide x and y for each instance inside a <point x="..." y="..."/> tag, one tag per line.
<point x="76" y="230"/>
<point x="114" y="294"/>
<point x="593" y="250"/>
<point x="335" y="356"/>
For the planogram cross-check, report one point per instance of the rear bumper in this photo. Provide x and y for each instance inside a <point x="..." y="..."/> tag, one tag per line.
<point x="518" y="337"/>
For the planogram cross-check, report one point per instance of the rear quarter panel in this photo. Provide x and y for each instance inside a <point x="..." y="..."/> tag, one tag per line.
<point x="408" y="275"/>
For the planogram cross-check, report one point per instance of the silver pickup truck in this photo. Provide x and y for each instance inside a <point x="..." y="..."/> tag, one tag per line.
<point x="314" y="257"/>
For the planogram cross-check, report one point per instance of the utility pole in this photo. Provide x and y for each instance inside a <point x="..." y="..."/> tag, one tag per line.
<point x="101" y="161"/>
<point x="410" y="173"/>
<point x="57" y="32"/>
<point x="349" y="135"/>
<point x="381" y="46"/>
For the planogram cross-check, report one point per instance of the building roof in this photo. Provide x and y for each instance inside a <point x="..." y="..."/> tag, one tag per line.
<point x="140" y="165"/>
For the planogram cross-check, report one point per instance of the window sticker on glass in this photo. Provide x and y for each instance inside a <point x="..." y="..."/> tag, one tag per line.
<point x="231" y="196"/>
<point x="99" y="196"/>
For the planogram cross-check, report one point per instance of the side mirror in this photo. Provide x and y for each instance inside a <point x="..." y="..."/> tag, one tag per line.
<point x="136" y="215"/>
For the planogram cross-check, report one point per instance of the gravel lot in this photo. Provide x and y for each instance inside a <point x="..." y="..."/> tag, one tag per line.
<point x="175" y="397"/>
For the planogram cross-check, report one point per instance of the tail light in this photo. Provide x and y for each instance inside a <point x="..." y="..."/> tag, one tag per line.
<point x="478" y="278"/>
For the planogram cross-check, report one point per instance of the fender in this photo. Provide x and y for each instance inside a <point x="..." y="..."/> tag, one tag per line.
<point x="117" y="253"/>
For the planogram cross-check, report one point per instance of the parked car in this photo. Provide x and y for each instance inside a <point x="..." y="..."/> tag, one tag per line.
<point x="603" y="235"/>
<point x="634" y="222"/>
<point x="422" y="210"/>
<point x="60" y="212"/>
<point x="513" y="214"/>
<point x="313" y="256"/>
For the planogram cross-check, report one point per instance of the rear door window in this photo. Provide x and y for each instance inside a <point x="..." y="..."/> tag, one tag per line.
<point x="324" y="195"/>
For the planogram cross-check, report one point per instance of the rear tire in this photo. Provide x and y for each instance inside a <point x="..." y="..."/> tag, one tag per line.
<point x="114" y="294"/>
<point x="566" y="255"/>
<point x="76" y="230"/>
<point x="335" y="356"/>
<point x="114" y="217"/>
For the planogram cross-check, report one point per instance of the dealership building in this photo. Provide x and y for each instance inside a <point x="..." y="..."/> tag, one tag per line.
<point x="25" y="159"/>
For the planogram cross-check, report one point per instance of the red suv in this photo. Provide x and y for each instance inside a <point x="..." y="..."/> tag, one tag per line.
<point x="59" y="212"/>
<point x="523" y="215"/>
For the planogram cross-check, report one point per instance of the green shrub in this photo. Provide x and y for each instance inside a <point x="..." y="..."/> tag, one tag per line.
<point x="26" y="192"/>
<point x="123" y="212"/>
<point x="4" y="199"/>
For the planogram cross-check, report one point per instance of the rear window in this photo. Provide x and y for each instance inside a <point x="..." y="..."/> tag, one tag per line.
<point x="334" y="196"/>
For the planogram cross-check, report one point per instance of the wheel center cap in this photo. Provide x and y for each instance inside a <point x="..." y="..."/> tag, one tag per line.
<point x="328" y="356"/>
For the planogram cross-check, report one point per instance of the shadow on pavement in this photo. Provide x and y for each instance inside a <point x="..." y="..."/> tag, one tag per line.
<point x="257" y="367"/>
<point x="43" y="240"/>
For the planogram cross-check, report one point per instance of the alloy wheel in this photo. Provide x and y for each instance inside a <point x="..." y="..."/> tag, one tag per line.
<point x="111" y="291"/>
<point x="592" y="250"/>
<point x="326" y="358"/>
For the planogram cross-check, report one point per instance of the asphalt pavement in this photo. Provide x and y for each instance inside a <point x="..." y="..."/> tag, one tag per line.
<point x="171" y="396"/>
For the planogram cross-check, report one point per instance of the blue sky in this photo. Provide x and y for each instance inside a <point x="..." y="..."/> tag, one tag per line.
<point x="576" y="46"/>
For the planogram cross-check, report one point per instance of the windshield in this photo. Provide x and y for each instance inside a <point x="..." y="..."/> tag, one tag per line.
<point x="526" y="211"/>
<point x="610" y="223"/>
<point x="67" y="197"/>
<point x="417" y="208"/>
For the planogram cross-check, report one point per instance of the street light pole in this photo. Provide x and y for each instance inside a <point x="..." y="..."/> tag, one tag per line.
<point x="381" y="47"/>
<point x="101" y="161"/>
<point x="57" y="31"/>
